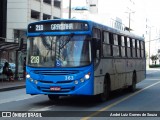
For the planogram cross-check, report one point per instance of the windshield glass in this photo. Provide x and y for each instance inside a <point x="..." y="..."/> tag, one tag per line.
<point x="59" y="51"/>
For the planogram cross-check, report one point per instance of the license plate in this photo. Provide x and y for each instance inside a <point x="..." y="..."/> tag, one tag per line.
<point x="55" y="88"/>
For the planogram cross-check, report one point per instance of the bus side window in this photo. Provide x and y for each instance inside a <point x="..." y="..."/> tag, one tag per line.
<point x="111" y="42"/>
<point x="115" y="45"/>
<point x="142" y="49"/>
<point x="106" y="45"/>
<point x="138" y="50"/>
<point x="119" y="45"/>
<point x="133" y="48"/>
<point x="128" y="47"/>
<point x="123" y="49"/>
<point x="97" y="43"/>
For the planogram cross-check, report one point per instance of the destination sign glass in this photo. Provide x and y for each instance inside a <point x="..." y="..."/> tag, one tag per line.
<point x="58" y="26"/>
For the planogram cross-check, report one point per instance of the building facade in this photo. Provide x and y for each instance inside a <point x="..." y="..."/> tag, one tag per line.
<point x="22" y="12"/>
<point x="116" y="14"/>
<point x="15" y="15"/>
<point x="3" y="19"/>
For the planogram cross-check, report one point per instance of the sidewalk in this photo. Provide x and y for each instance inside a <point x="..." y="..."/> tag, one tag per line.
<point x="8" y="85"/>
<point x="147" y="68"/>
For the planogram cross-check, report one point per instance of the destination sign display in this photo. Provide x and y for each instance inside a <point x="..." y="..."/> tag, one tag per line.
<point x="58" y="26"/>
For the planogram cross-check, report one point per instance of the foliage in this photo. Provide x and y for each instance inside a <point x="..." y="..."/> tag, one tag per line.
<point x="154" y="58"/>
<point x="154" y="66"/>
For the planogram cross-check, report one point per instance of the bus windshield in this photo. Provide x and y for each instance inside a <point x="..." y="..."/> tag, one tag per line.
<point x="59" y="51"/>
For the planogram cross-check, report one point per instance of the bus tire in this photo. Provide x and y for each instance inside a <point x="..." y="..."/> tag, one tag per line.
<point x="106" y="86"/>
<point x="53" y="98"/>
<point x="132" y="88"/>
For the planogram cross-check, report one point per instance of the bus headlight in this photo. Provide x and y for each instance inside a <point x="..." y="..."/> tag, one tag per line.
<point x="35" y="81"/>
<point x="31" y="79"/>
<point x="28" y="76"/>
<point x="76" y="82"/>
<point x="82" y="80"/>
<point x="87" y="76"/>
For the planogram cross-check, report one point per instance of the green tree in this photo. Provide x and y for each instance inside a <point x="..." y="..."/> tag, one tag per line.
<point x="154" y="58"/>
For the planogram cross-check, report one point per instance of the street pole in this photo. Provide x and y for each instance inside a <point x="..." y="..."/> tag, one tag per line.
<point x="150" y="28"/>
<point x="129" y="21"/>
<point x="149" y="46"/>
<point x="69" y="9"/>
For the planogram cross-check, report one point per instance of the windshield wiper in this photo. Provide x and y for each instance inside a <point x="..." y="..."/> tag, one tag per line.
<point x="67" y="41"/>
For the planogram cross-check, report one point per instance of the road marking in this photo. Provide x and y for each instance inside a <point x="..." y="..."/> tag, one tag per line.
<point x="119" y="101"/>
<point x="42" y="109"/>
<point x="152" y="79"/>
<point x="15" y="99"/>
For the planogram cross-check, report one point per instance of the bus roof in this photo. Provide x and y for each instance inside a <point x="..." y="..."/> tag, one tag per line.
<point x="96" y="25"/>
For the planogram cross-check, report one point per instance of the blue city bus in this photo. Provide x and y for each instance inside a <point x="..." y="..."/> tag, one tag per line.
<point x="82" y="57"/>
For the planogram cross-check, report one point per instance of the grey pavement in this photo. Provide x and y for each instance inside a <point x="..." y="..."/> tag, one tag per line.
<point x="11" y="85"/>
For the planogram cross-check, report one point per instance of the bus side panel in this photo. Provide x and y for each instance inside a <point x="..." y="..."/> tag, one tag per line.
<point x="116" y="69"/>
<point x="119" y="73"/>
<point x="129" y="71"/>
<point x="141" y="70"/>
<point x="98" y="80"/>
<point x="105" y="66"/>
<point x="108" y="68"/>
<point x="137" y="65"/>
<point x="98" y="85"/>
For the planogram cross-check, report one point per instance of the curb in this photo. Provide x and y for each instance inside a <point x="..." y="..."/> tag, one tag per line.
<point x="12" y="88"/>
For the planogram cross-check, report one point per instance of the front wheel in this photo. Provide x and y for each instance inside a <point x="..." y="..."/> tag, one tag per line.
<point x="106" y="90"/>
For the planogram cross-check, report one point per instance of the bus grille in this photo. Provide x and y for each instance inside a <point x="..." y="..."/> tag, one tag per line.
<point x="58" y="82"/>
<point x="57" y="72"/>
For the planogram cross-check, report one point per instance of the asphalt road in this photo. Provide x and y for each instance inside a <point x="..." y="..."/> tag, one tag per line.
<point x="121" y="106"/>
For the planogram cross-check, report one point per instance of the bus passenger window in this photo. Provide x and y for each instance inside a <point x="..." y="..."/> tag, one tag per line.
<point x="96" y="50"/>
<point x="123" y="51"/>
<point x="106" y="37"/>
<point x="138" y="50"/>
<point x="142" y="49"/>
<point x="115" y="45"/>
<point x="133" y="48"/>
<point x="96" y="33"/>
<point x="128" y="47"/>
<point x="106" y="45"/>
<point x="106" y="50"/>
<point x="97" y="44"/>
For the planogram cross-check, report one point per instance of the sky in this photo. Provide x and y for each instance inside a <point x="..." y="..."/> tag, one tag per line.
<point x="74" y="3"/>
<point x="144" y="8"/>
<point x="149" y="9"/>
<point x="152" y="10"/>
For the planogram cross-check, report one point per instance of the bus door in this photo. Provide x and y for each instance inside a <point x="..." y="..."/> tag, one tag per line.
<point x="98" y="72"/>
